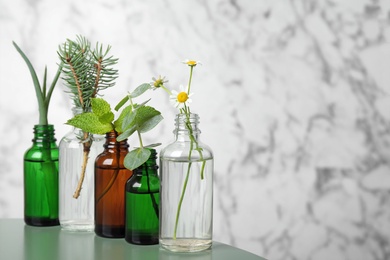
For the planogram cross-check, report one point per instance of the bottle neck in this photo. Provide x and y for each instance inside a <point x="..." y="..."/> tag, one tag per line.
<point x="112" y="144"/>
<point x="44" y="133"/>
<point x="186" y="127"/>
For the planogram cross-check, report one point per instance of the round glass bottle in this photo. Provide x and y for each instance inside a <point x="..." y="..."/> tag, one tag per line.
<point x="186" y="189"/>
<point x="142" y="204"/>
<point x="110" y="180"/>
<point x="41" y="179"/>
<point x="78" y="153"/>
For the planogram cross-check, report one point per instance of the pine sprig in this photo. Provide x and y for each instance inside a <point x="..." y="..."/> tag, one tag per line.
<point x="86" y="71"/>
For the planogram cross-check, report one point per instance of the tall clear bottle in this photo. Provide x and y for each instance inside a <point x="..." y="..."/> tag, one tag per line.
<point x="77" y="214"/>
<point x="142" y="204"/>
<point x="110" y="180"/>
<point x="186" y="189"/>
<point x="41" y="179"/>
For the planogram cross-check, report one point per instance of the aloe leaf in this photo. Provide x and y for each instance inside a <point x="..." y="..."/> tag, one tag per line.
<point x="37" y="86"/>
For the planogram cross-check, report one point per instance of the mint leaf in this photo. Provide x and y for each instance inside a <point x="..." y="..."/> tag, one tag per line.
<point x="89" y="122"/>
<point x="100" y="107"/>
<point x="136" y="158"/>
<point x="106" y="118"/>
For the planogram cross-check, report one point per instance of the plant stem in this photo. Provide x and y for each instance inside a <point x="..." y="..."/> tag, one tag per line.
<point x="189" y="82"/>
<point x="87" y="146"/>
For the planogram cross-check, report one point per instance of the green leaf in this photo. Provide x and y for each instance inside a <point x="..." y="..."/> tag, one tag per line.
<point x="107" y="118"/>
<point x="126" y="134"/>
<point x="152" y="145"/>
<point x="140" y="90"/>
<point x="89" y="122"/>
<point x="119" y="122"/>
<point x="100" y="107"/>
<point x="128" y="120"/>
<point x="121" y="103"/>
<point x="150" y="124"/>
<point x="136" y="158"/>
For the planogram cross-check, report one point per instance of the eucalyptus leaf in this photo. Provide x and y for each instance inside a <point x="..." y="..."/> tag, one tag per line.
<point x="142" y="104"/>
<point x="129" y="120"/>
<point x="126" y="134"/>
<point x="152" y="145"/>
<point x="140" y="90"/>
<point x="121" y="103"/>
<point x="136" y="158"/>
<point x="150" y="123"/>
<point x="119" y="122"/>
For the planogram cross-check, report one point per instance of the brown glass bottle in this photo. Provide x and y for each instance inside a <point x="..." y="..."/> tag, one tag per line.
<point x="110" y="179"/>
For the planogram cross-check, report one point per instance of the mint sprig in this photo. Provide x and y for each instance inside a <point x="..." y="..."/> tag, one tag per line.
<point x="134" y="118"/>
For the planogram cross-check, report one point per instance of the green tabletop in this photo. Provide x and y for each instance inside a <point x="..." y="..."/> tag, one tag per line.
<point x="19" y="241"/>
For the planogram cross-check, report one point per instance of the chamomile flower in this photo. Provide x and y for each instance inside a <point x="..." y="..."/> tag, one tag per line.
<point x="179" y="99"/>
<point x="158" y="82"/>
<point x="191" y="63"/>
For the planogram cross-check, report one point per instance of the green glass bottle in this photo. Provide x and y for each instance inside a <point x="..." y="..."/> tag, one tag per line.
<point x="41" y="179"/>
<point x="142" y="204"/>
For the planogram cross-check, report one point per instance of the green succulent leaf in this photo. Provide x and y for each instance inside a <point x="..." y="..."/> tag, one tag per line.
<point x="136" y="158"/>
<point x="89" y="122"/>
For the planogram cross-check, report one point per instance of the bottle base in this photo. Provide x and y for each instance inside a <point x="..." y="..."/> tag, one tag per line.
<point x="140" y="239"/>
<point x="110" y="231"/>
<point x="41" y="222"/>
<point x="186" y="244"/>
<point x="78" y="226"/>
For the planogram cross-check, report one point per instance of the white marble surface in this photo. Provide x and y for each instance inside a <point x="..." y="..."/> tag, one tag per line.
<point x="293" y="98"/>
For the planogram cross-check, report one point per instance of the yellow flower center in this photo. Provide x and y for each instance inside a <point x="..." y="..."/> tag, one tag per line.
<point x="158" y="83"/>
<point x="182" y="97"/>
<point x="191" y="63"/>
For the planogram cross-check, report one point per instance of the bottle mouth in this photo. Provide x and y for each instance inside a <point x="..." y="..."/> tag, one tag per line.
<point x="186" y="123"/>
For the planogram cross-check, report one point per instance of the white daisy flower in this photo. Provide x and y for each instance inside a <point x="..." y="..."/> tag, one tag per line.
<point x="191" y="63"/>
<point x="179" y="99"/>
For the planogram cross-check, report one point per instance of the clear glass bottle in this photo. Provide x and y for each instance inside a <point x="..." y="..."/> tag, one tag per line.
<point x="41" y="179"/>
<point x="110" y="180"/>
<point x="142" y="204"/>
<point x="77" y="214"/>
<point x="186" y="189"/>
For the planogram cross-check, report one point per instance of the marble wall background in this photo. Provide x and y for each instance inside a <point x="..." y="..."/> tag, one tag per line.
<point x="293" y="98"/>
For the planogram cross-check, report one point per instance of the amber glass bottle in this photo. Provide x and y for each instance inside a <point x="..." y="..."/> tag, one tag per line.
<point x="110" y="180"/>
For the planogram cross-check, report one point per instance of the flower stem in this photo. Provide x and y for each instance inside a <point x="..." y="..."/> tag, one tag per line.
<point x="189" y="82"/>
